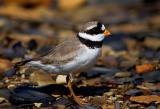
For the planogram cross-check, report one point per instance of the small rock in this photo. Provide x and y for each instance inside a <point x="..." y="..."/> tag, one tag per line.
<point x="122" y="74"/>
<point x="134" y="106"/>
<point x="133" y="92"/>
<point x="152" y="76"/>
<point x="11" y="86"/>
<point x="98" y="100"/>
<point x="149" y="43"/>
<point x="38" y="104"/>
<point x="41" y="78"/>
<point x="61" y="79"/>
<point x="2" y="100"/>
<point x="112" y="98"/>
<point x="22" y="95"/>
<point x="145" y="99"/>
<point x="108" y="94"/>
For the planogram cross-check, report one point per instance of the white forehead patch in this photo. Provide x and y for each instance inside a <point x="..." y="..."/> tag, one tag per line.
<point x="103" y="27"/>
<point x="90" y="27"/>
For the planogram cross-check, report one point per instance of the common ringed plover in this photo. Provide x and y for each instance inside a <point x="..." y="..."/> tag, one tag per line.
<point x="75" y="55"/>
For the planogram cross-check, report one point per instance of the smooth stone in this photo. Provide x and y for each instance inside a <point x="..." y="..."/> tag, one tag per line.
<point x="29" y="95"/>
<point x="149" y="43"/>
<point x="134" y="92"/>
<point x="41" y="78"/>
<point x="122" y="74"/>
<point x="108" y="93"/>
<point x="101" y="71"/>
<point x="2" y="100"/>
<point x="61" y="79"/>
<point x="152" y="76"/>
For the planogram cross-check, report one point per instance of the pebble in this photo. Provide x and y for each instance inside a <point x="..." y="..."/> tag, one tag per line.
<point x="122" y="74"/>
<point x="112" y="98"/>
<point x="11" y="86"/>
<point x="108" y="94"/>
<point x="149" y="43"/>
<point x="38" y="105"/>
<point x="152" y="76"/>
<point x="61" y="79"/>
<point x="41" y="78"/>
<point x="2" y="100"/>
<point x="145" y="99"/>
<point x="28" y="95"/>
<point x="133" y="92"/>
<point x="98" y="100"/>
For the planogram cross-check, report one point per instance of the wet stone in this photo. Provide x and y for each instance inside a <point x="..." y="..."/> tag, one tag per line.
<point x="28" y="95"/>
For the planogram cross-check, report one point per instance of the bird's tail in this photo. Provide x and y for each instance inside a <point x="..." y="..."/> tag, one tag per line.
<point x="16" y="67"/>
<point x="21" y="63"/>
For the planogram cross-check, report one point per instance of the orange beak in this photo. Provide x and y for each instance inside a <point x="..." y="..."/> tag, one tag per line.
<point x="107" y="33"/>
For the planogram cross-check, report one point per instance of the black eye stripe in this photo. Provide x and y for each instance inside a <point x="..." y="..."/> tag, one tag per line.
<point x="95" y="30"/>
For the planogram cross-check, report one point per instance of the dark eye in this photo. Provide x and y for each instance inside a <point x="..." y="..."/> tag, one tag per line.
<point x="94" y="31"/>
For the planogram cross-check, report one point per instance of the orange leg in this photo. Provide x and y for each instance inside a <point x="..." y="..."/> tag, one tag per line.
<point x="77" y="99"/>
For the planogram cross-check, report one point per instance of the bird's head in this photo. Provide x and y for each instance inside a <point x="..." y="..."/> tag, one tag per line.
<point x="94" y="31"/>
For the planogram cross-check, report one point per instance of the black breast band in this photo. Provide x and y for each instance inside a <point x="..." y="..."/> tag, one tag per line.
<point x="89" y="43"/>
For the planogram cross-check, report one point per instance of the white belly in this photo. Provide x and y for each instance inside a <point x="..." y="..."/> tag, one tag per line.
<point x="88" y="59"/>
<point x="85" y="60"/>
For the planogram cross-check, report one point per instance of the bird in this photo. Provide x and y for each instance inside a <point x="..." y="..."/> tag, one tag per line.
<point x="73" y="55"/>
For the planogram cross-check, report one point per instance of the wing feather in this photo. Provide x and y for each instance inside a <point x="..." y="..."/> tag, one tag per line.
<point x="62" y="53"/>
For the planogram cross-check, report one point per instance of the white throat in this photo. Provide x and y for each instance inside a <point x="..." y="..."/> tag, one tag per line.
<point x="98" y="37"/>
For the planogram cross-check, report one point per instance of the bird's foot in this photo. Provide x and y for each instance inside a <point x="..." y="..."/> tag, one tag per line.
<point x="80" y="101"/>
